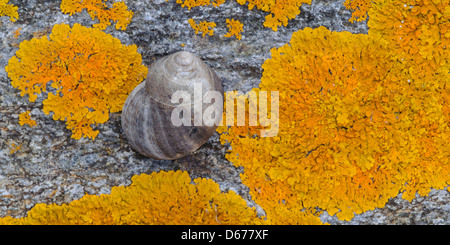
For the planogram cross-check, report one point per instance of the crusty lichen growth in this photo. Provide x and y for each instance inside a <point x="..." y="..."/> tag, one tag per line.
<point x="99" y="9"/>
<point x="196" y="3"/>
<point x="419" y="32"/>
<point x="17" y="32"/>
<point x="279" y="11"/>
<point x="164" y="198"/>
<point x="234" y="28"/>
<point x="203" y="27"/>
<point x="362" y="118"/>
<point x="8" y="10"/>
<point x="90" y="72"/>
<point x="14" y="148"/>
<point x="25" y="118"/>
<point x="355" y="128"/>
<point x="359" y="9"/>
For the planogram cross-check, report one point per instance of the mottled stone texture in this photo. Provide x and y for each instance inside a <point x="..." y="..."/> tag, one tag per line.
<point x="50" y="167"/>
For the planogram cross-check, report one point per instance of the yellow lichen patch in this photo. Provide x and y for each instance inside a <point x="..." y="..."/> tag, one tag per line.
<point x="196" y="3"/>
<point x="8" y="10"/>
<point x="280" y="10"/>
<point x="17" y="33"/>
<point x="419" y="32"/>
<point x="217" y="3"/>
<point x="98" y="9"/>
<point x="234" y="28"/>
<point x="14" y="148"/>
<point x="352" y="132"/>
<point x="359" y="9"/>
<point x="202" y="27"/>
<point x="164" y="198"/>
<point x="25" y="118"/>
<point x="278" y="201"/>
<point x="90" y="73"/>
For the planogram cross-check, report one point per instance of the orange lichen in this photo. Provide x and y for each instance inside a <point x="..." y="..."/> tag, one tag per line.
<point x="202" y="27"/>
<point x="419" y="32"/>
<point x="98" y="9"/>
<point x="164" y="198"/>
<point x="362" y="118"/>
<point x="14" y="148"/>
<point x="234" y="28"/>
<point x="17" y="33"/>
<point x="359" y="9"/>
<point x="280" y="10"/>
<point x="196" y="3"/>
<point x="217" y="3"/>
<point x="8" y="10"/>
<point x="353" y="132"/>
<point x="90" y="72"/>
<point x="25" y="118"/>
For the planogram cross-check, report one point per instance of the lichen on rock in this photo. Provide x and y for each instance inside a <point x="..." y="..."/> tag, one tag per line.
<point x="8" y="10"/>
<point x="164" y="198"/>
<point x="90" y="74"/>
<point x="98" y="9"/>
<point x="354" y="131"/>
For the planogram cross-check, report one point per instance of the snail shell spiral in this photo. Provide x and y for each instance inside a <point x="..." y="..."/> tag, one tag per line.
<point x="146" y="114"/>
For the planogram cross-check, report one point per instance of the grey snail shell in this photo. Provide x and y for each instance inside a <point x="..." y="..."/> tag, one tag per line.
<point x="146" y="114"/>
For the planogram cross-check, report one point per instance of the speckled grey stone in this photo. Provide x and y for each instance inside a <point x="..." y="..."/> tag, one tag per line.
<point x="51" y="167"/>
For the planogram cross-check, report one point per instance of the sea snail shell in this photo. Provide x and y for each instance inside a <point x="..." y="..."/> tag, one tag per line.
<point x="146" y="114"/>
